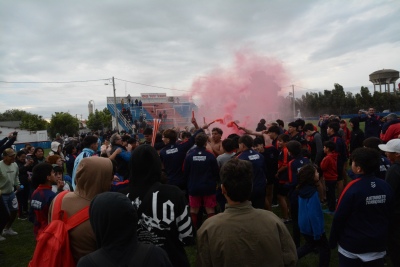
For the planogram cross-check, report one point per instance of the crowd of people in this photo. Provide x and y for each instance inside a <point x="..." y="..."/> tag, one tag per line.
<point x="190" y="183"/>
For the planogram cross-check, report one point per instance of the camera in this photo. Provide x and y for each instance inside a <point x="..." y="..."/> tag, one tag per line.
<point x="15" y="133"/>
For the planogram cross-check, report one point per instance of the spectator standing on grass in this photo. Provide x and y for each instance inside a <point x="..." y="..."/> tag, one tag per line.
<point x="330" y="174"/>
<point x="43" y="178"/>
<point x="243" y="235"/>
<point x="361" y="221"/>
<point x="392" y="150"/>
<point x="356" y="135"/>
<point x="8" y="180"/>
<point x="25" y="166"/>
<point x="372" y="121"/>
<point x="311" y="218"/>
<point x="93" y="176"/>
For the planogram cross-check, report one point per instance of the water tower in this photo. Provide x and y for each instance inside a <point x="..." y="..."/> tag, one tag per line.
<point x="91" y="107"/>
<point x="386" y="77"/>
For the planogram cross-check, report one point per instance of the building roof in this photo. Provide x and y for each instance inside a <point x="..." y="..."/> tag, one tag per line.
<point x="10" y="124"/>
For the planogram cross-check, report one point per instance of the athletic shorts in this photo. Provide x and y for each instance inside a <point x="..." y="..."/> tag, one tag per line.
<point x="207" y="201"/>
<point x="10" y="201"/>
<point x="282" y="190"/>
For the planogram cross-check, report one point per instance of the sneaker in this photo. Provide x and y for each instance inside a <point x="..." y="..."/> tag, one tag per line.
<point x="9" y="232"/>
<point x="22" y="218"/>
<point x="2" y="238"/>
<point x="275" y="205"/>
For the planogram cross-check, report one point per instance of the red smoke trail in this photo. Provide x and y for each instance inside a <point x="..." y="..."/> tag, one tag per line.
<point x="246" y="91"/>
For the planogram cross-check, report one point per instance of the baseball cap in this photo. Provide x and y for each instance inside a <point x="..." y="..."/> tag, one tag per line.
<point x="391" y="146"/>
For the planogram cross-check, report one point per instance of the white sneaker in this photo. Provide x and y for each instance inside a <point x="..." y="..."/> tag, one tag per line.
<point x="2" y="238"/>
<point x="9" y="232"/>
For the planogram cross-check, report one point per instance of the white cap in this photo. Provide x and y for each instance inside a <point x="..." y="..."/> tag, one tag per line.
<point x="391" y="146"/>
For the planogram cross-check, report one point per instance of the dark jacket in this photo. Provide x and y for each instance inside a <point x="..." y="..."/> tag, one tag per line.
<point x="201" y="172"/>
<point x="356" y="136"/>
<point x="361" y="220"/>
<point x="257" y="160"/>
<point x="172" y="157"/>
<point x="373" y="125"/>
<point x="122" y="160"/>
<point x="164" y="218"/>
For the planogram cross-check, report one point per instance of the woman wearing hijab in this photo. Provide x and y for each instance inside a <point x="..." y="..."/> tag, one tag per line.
<point x="119" y="246"/>
<point x="94" y="176"/>
<point x="164" y="218"/>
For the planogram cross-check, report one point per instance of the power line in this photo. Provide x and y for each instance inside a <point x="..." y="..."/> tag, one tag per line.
<point x="62" y="82"/>
<point x="152" y="85"/>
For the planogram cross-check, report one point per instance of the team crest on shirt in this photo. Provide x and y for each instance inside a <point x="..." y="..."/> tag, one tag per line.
<point x="373" y="185"/>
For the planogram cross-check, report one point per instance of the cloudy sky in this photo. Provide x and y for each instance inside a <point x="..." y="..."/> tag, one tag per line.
<point x="173" y="44"/>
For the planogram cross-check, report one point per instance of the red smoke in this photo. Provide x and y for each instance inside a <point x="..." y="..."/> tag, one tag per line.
<point x="245" y="92"/>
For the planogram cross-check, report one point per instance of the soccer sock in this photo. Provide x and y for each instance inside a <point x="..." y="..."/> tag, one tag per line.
<point x="194" y="219"/>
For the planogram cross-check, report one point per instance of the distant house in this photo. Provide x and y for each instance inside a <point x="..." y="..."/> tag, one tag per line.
<point x="24" y="136"/>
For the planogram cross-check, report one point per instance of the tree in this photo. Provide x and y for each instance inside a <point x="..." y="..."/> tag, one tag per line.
<point x="13" y="115"/>
<point x="63" y="123"/>
<point x="33" y="122"/>
<point x="99" y="120"/>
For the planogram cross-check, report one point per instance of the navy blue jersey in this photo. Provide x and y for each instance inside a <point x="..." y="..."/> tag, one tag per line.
<point x="201" y="172"/>
<point x="293" y="169"/>
<point x="257" y="160"/>
<point x="172" y="156"/>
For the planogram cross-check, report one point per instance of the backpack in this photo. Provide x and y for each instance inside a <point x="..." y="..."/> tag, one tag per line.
<point x="53" y="247"/>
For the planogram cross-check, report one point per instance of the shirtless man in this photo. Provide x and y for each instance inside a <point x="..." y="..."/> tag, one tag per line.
<point x="216" y="142"/>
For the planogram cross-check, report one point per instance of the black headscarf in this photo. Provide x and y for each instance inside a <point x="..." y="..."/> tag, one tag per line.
<point x="145" y="170"/>
<point x="109" y="213"/>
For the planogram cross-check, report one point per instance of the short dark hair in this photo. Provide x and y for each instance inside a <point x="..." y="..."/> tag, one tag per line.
<point x="300" y="122"/>
<point x="294" y="148"/>
<point x="258" y="141"/>
<point x="57" y="169"/>
<point x="246" y="140"/>
<point x="172" y="135"/>
<point x="132" y="141"/>
<point x="284" y="138"/>
<point x="334" y="126"/>
<point x="20" y="153"/>
<point x="89" y="140"/>
<point x="228" y="145"/>
<point x="218" y="130"/>
<point x="280" y="122"/>
<point x="366" y="158"/>
<point x="186" y="134"/>
<point x="306" y="175"/>
<point x="40" y="173"/>
<point x="69" y="148"/>
<point x="201" y="139"/>
<point x="274" y="129"/>
<point x="308" y="127"/>
<point x="330" y="145"/>
<point x="293" y="124"/>
<point x="237" y="176"/>
<point x="148" y="131"/>
<point x="372" y="142"/>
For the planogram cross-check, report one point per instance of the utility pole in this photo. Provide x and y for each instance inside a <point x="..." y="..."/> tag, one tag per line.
<point x="294" y="104"/>
<point x="115" y="105"/>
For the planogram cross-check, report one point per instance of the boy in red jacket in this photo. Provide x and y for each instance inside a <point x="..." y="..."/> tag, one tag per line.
<point x="330" y="173"/>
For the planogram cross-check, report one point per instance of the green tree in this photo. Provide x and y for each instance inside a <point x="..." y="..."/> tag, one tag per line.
<point x="33" y="122"/>
<point x="63" y="123"/>
<point x="99" y="120"/>
<point x="13" y="115"/>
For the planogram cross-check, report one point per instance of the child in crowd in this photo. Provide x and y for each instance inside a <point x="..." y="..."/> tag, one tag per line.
<point x="294" y="148"/>
<point x="59" y="177"/>
<point x="330" y="173"/>
<point x="311" y="218"/>
<point x="282" y="176"/>
<point x="43" y="178"/>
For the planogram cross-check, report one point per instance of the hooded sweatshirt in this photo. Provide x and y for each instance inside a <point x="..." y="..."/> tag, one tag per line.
<point x="164" y="218"/>
<point x="117" y="244"/>
<point x="311" y="218"/>
<point x="93" y="176"/>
